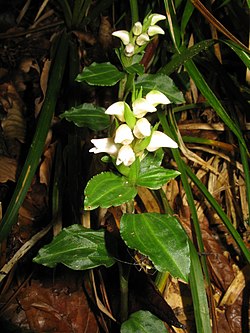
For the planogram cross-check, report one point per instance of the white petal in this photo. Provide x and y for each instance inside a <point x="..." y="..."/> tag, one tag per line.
<point x="155" y="30"/>
<point x="105" y="145"/>
<point x="159" y="140"/>
<point x="137" y="28"/>
<point x="141" y="106"/>
<point x="117" y="109"/>
<point x="142" y="39"/>
<point x="123" y="35"/>
<point x="142" y="128"/>
<point x="123" y="135"/>
<point x="155" y="18"/>
<point x="155" y="97"/>
<point x="126" y="156"/>
<point x="129" y="50"/>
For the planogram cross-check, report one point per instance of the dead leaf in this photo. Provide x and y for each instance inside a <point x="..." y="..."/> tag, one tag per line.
<point x="14" y="124"/>
<point x="8" y="167"/>
<point x="45" y="169"/>
<point x="43" y="85"/>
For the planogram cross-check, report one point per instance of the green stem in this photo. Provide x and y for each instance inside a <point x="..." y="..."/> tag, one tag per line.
<point x="134" y="11"/>
<point x="124" y="277"/>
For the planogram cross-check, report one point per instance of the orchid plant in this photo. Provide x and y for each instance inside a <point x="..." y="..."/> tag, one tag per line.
<point x="133" y="148"/>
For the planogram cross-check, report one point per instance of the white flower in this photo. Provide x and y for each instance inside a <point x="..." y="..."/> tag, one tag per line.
<point x="129" y="50"/>
<point x="141" y="106"/>
<point x="126" y="156"/>
<point x="142" y="128"/>
<point x="123" y="135"/>
<point x="137" y="28"/>
<point x="159" y="140"/>
<point x="155" y="30"/>
<point x="142" y="39"/>
<point x="123" y="35"/>
<point x="117" y="109"/>
<point x="155" y="97"/>
<point x="105" y="145"/>
<point x="155" y="18"/>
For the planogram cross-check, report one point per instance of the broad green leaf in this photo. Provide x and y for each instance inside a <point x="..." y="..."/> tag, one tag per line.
<point x="107" y="189"/>
<point x="104" y="74"/>
<point x="155" y="178"/>
<point x="143" y="322"/>
<point x="162" y="83"/>
<point x="135" y="69"/>
<point x="88" y="115"/>
<point x="152" y="160"/>
<point x="161" y="238"/>
<point x="76" y="247"/>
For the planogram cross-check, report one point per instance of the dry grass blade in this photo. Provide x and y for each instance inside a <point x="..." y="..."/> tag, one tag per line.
<point x="22" y="251"/>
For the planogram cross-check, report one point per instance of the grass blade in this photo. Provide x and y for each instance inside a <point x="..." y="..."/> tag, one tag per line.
<point x="38" y="142"/>
<point x="199" y="297"/>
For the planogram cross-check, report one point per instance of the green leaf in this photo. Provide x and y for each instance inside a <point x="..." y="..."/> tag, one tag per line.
<point x="76" y="247"/>
<point x="161" y="238"/>
<point x="143" y="322"/>
<point x="107" y="189"/>
<point x="185" y="55"/>
<point x="152" y="160"/>
<point x="162" y="83"/>
<point x="199" y="297"/>
<point x="88" y="115"/>
<point x="135" y="69"/>
<point x="104" y="74"/>
<point x="155" y="178"/>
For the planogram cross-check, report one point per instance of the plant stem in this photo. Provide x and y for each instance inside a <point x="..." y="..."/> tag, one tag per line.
<point x="124" y="276"/>
<point x="134" y="11"/>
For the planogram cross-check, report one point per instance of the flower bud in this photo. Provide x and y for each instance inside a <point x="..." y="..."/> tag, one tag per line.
<point x="126" y="156"/>
<point x="155" y="18"/>
<point x="159" y="140"/>
<point x="105" y="145"/>
<point x="137" y="28"/>
<point x="142" y="128"/>
<point x="129" y="50"/>
<point x="141" y="106"/>
<point x="142" y="39"/>
<point x="155" y="30"/>
<point x="123" y="135"/>
<point x="123" y="35"/>
<point x="155" y="97"/>
<point x="117" y="109"/>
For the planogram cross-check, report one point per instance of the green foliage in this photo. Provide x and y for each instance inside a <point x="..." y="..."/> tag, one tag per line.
<point x="76" y="247"/>
<point x="108" y="189"/>
<point x="143" y="322"/>
<point x="88" y="115"/>
<point x="104" y="74"/>
<point x="155" y="178"/>
<point x="161" y="238"/>
<point x="162" y="83"/>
